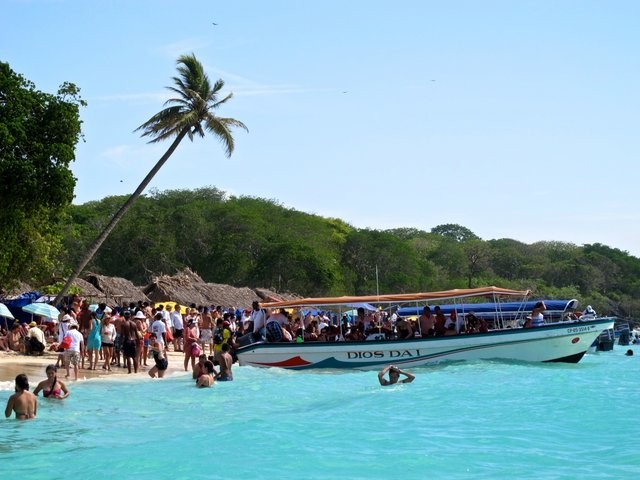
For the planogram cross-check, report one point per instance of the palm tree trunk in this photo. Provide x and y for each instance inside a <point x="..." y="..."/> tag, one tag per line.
<point x="119" y="214"/>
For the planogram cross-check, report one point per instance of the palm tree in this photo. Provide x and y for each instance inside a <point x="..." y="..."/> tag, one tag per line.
<point x="190" y="113"/>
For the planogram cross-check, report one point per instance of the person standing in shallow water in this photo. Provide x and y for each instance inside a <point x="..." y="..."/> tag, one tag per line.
<point x="208" y="378"/>
<point x="52" y="387"/>
<point x="23" y="403"/>
<point x="159" y="357"/>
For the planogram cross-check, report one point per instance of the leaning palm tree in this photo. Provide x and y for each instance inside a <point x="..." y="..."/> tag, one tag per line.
<point x="189" y="114"/>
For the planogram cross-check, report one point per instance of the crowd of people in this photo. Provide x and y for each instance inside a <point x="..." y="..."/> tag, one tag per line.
<point x="140" y="335"/>
<point x="107" y="337"/>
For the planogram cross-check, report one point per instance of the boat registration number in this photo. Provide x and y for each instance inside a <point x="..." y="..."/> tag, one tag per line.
<point x="579" y="329"/>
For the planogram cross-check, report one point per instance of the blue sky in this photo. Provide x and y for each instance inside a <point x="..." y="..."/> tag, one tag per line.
<point x="516" y="119"/>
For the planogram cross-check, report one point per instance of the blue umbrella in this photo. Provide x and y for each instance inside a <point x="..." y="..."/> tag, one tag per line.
<point x="42" y="309"/>
<point x="4" y="311"/>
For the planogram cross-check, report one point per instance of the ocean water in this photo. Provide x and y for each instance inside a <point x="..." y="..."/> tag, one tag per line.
<point x="481" y="420"/>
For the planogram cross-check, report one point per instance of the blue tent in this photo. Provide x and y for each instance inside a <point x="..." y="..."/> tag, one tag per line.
<point x="15" y="307"/>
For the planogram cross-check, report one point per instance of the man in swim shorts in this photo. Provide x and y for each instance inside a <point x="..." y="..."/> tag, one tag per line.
<point x="129" y="343"/>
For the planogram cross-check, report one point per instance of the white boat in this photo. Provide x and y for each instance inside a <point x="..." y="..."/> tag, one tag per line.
<point x="563" y="341"/>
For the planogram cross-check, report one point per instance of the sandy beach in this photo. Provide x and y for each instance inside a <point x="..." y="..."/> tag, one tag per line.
<point x="12" y="364"/>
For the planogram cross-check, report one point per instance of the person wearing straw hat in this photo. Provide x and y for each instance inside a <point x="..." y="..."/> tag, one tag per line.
<point x="35" y="341"/>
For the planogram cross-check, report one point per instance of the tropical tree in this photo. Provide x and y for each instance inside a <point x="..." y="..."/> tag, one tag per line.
<point x="190" y="113"/>
<point x="455" y="232"/>
<point x="38" y="135"/>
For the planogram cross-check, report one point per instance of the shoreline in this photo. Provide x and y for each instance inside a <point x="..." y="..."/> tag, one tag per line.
<point x="12" y="364"/>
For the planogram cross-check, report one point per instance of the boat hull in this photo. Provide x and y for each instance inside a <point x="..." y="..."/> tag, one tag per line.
<point x="558" y="342"/>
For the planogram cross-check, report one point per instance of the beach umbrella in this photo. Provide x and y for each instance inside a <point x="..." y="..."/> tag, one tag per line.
<point x="4" y="311"/>
<point x="42" y="309"/>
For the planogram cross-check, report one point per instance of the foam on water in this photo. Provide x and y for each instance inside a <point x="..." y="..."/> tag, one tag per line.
<point x="469" y="420"/>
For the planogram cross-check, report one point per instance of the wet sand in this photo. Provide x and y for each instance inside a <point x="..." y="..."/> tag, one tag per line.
<point x="12" y="364"/>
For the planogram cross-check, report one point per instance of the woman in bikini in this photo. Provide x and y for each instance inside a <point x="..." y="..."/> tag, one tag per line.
<point x="23" y="403"/>
<point x="52" y="387"/>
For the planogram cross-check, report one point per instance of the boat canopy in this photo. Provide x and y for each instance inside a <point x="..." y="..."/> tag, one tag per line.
<point x="554" y="308"/>
<point x="401" y="297"/>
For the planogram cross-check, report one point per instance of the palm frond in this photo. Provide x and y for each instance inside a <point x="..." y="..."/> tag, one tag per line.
<point x="191" y="110"/>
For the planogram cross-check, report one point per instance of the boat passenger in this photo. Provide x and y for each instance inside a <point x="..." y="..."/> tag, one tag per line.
<point x="426" y="322"/>
<point x="310" y="334"/>
<point x="483" y="326"/>
<point x="258" y="319"/>
<point x="394" y="376"/>
<point x="287" y="336"/>
<point x="451" y="330"/>
<point x="537" y="319"/>
<point x="360" y="321"/>
<point x="440" y="322"/>
<point x="404" y="329"/>
<point x="473" y="323"/>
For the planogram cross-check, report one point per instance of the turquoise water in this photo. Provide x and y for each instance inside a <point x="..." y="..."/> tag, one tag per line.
<point x="476" y="420"/>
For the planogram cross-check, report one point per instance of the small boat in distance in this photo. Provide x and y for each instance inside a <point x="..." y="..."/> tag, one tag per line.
<point x="566" y="340"/>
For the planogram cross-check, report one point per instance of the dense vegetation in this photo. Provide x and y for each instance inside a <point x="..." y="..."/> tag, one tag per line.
<point x="190" y="113"/>
<point x="247" y="241"/>
<point x="38" y="135"/>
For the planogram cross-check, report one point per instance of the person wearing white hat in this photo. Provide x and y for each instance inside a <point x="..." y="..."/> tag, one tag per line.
<point x="72" y="354"/>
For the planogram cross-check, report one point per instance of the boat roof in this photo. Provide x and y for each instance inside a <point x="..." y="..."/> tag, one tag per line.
<point x="400" y="297"/>
<point x="552" y="307"/>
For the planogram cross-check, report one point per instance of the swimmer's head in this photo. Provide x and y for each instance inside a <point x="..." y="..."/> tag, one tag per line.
<point x="22" y="382"/>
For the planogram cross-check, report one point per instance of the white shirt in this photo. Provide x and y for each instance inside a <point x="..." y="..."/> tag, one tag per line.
<point x="35" y="332"/>
<point x="76" y="340"/>
<point x="108" y="333"/>
<point x="158" y="328"/>
<point x="278" y="317"/>
<point x="176" y="320"/>
<point x="258" y="318"/>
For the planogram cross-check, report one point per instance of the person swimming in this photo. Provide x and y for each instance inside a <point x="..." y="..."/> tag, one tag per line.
<point x="394" y="376"/>
<point x="52" y="387"/>
<point x="23" y="403"/>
